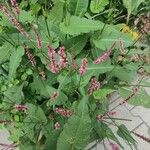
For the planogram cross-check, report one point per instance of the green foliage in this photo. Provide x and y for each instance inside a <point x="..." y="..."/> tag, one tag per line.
<point x="141" y="98"/>
<point x="60" y="111"/>
<point x="72" y="27"/>
<point x="78" y="7"/>
<point x="97" y="6"/>
<point x="124" y="133"/>
<point x="75" y="134"/>
<point x="15" y="60"/>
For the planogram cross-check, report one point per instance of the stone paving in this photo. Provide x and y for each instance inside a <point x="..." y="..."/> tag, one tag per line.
<point x="140" y="123"/>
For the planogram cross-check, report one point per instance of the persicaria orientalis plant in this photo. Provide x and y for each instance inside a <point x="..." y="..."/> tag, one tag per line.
<point x="61" y="61"/>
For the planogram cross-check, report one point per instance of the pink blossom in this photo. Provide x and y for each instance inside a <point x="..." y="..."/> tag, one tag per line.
<point x="54" y="95"/>
<point x="21" y="107"/>
<point x="53" y="66"/>
<point x="30" y="56"/>
<point x="15" y="6"/>
<point x="63" y="112"/>
<point x="105" y="55"/>
<point x="13" y="20"/>
<point x="114" y="146"/>
<point x="112" y="113"/>
<point x="42" y="74"/>
<point x="73" y="62"/>
<point x="94" y="85"/>
<point x="100" y="117"/>
<point x="63" y="57"/>
<point x="83" y="67"/>
<point x="57" y="125"/>
<point x="122" y="49"/>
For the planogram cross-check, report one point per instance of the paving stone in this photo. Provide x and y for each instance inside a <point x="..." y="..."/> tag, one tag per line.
<point x="144" y="113"/>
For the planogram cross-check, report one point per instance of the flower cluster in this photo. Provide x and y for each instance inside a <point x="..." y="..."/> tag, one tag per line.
<point x="8" y="146"/>
<point x="83" y="67"/>
<point x="54" y="95"/>
<point x="63" y="57"/>
<point x="64" y="112"/>
<point x="21" y="107"/>
<point x="102" y="117"/>
<point x="13" y="20"/>
<point x="53" y="66"/>
<point x="122" y="49"/>
<point x="142" y="137"/>
<point x="114" y="146"/>
<point x="15" y="6"/>
<point x="57" y="126"/>
<point x="105" y="55"/>
<point x="73" y="63"/>
<point x="94" y="85"/>
<point x="30" y="56"/>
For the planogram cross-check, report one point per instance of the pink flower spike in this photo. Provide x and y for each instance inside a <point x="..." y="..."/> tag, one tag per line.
<point x="73" y="63"/>
<point x="13" y="20"/>
<point x="63" y="112"/>
<point x="63" y="57"/>
<point x="105" y="55"/>
<point x="114" y="146"/>
<point x="94" y="85"/>
<point x="112" y="113"/>
<point x="122" y="49"/>
<point x="21" y="107"/>
<point x="15" y="5"/>
<point x="83" y="67"/>
<point x="53" y="66"/>
<point x="54" y="95"/>
<point x="57" y="125"/>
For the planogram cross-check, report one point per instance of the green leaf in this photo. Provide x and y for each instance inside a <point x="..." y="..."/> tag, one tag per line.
<point x="76" y="44"/>
<point x="5" y="52"/>
<point x="78" y="7"/>
<point x="105" y="39"/>
<point x="15" y="60"/>
<point x="125" y="134"/>
<point x="104" y="131"/>
<point x="102" y="93"/>
<point x="142" y="98"/>
<point x="25" y="16"/>
<point x="55" y="15"/>
<point x="14" y="95"/>
<point x="79" y="25"/>
<point x="124" y="74"/>
<point x="75" y="134"/>
<point x="97" y="6"/>
<point x="35" y="114"/>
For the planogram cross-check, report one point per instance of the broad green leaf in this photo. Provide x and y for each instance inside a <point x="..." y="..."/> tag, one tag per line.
<point x="124" y="133"/>
<point x="142" y="98"/>
<point x="77" y="25"/>
<point x="97" y="6"/>
<point x="25" y="16"/>
<point x="124" y="74"/>
<point x="35" y="114"/>
<point x="102" y="93"/>
<point x="76" y="44"/>
<point x="108" y="36"/>
<point x="56" y="14"/>
<point x="14" y="95"/>
<point x="5" y="52"/>
<point x="78" y="7"/>
<point x="75" y="134"/>
<point x="147" y="68"/>
<point x="104" y="131"/>
<point x="15" y="60"/>
<point x="100" y="68"/>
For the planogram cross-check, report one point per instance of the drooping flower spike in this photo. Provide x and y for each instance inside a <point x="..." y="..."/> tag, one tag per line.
<point x="15" y="6"/>
<point x="83" y="67"/>
<point x="94" y="85"/>
<point x="13" y="20"/>
<point x="53" y="66"/>
<point x="63" y="57"/>
<point x="105" y="55"/>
